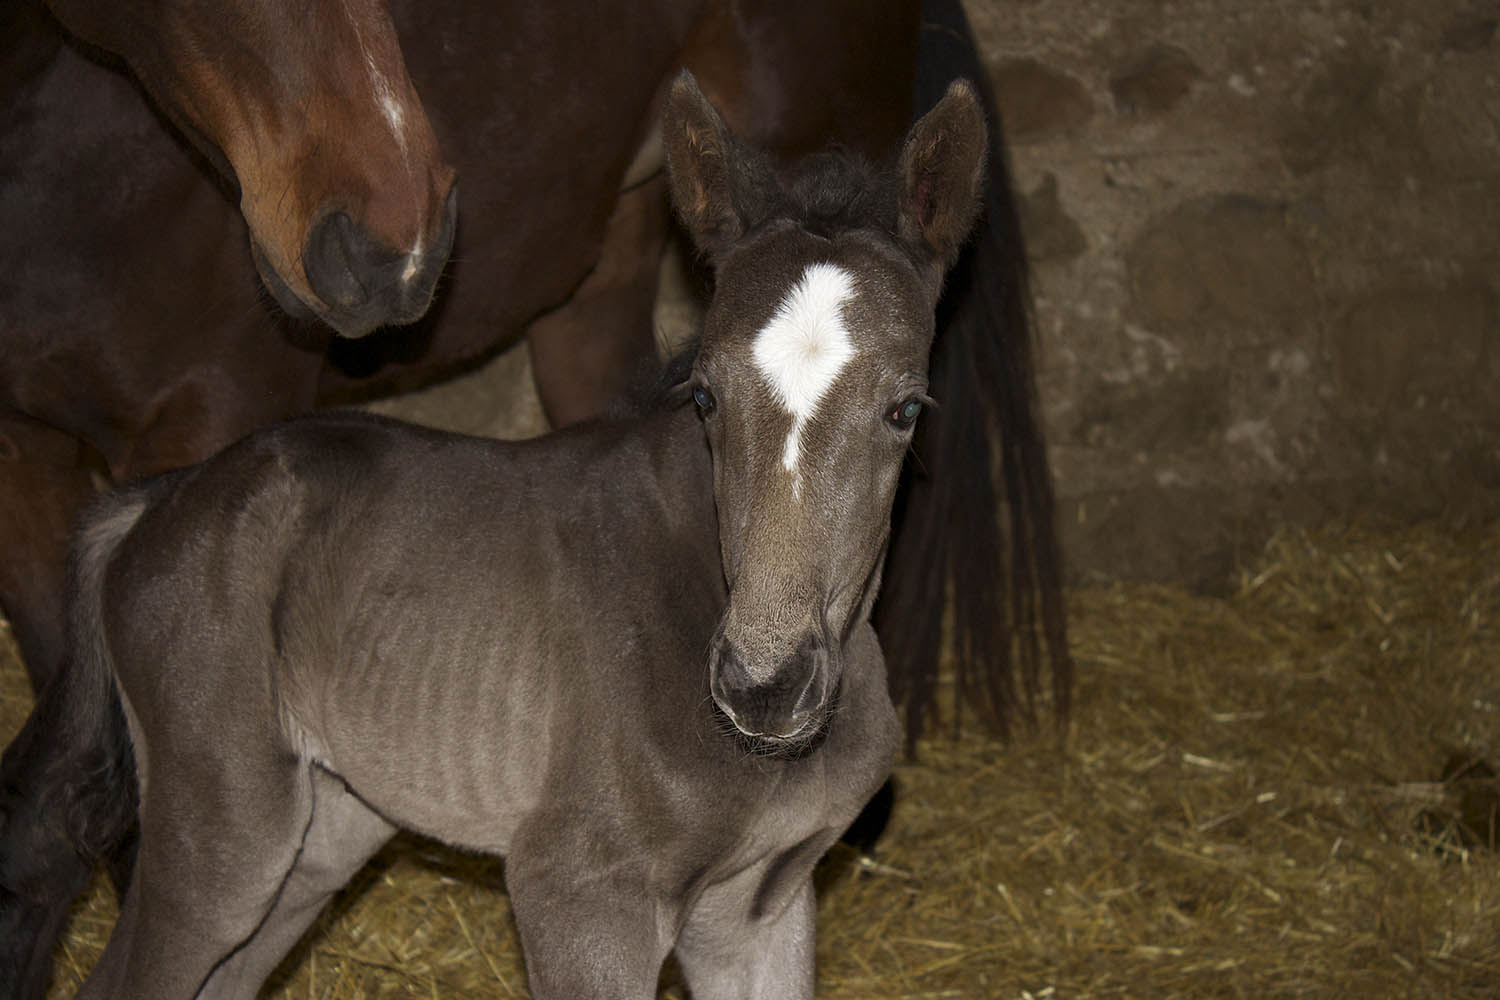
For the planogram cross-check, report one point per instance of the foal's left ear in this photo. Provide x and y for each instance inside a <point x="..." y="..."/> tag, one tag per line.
<point x="942" y="175"/>
<point x="701" y="156"/>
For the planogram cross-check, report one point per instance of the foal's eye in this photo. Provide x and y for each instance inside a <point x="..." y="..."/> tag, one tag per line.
<point x="905" y="414"/>
<point x="703" y="398"/>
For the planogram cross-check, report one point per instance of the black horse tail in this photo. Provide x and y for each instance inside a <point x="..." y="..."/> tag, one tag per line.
<point x="949" y="551"/>
<point x="68" y="796"/>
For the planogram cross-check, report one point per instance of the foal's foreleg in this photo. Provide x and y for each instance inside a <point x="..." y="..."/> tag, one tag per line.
<point x="588" y="931"/>
<point x="733" y="949"/>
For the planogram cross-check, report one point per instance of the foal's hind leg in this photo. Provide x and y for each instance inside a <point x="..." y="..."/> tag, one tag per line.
<point x="218" y="838"/>
<point x="343" y="834"/>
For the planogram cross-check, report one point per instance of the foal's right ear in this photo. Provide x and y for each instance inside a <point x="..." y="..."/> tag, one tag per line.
<point x="700" y="153"/>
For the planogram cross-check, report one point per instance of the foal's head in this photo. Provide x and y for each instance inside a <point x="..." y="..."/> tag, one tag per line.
<point x="810" y="377"/>
<point x="308" y="107"/>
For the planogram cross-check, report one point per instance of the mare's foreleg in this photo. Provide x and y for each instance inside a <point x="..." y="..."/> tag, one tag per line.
<point x="64" y="803"/>
<point x="67" y="786"/>
<point x="586" y="353"/>
<point x="43" y="485"/>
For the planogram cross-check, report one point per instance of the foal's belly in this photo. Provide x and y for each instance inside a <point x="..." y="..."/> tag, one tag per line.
<point x="452" y="744"/>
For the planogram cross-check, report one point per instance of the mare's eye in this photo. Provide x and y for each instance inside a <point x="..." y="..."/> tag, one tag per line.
<point x="703" y="398"/>
<point x="905" y="414"/>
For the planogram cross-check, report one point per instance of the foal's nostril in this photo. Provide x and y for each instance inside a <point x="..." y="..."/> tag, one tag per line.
<point x="728" y="680"/>
<point x="810" y="700"/>
<point x="789" y="704"/>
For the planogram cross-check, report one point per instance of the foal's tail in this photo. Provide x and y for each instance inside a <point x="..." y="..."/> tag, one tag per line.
<point x="949" y="551"/>
<point x="68" y="792"/>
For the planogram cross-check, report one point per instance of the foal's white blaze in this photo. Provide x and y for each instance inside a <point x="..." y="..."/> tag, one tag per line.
<point x="803" y="349"/>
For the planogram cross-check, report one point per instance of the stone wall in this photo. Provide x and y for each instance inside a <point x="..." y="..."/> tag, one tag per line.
<point x="1264" y="239"/>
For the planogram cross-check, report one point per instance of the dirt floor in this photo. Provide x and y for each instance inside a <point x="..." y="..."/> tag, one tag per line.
<point x="1285" y="792"/>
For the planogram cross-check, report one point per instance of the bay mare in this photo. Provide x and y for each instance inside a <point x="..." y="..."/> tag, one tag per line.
<point x="635" y="657"/>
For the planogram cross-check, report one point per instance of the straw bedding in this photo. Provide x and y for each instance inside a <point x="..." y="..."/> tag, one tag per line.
<point x="1286" y="792"/>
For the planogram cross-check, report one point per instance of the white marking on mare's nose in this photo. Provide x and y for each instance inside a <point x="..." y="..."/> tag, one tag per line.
<point x="413" y="259"/>
<point x="395" y="115"/>
<point x="803" y="349"/>
<point x="390" y="107"/>
<point x="386" y="99"/>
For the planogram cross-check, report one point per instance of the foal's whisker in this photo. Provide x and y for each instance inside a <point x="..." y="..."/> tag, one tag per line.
<point x="916" y="458"/>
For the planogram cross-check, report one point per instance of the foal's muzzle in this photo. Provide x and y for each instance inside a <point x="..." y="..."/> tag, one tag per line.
<point x="781" y="710"/>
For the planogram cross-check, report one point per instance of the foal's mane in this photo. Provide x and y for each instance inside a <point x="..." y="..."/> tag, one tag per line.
<point x="656" y="389"/>
<point x="838" y="191"/>
<point x="827" y="194"/>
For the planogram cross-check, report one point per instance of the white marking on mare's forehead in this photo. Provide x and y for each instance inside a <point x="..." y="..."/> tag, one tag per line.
<point x="802" y="350"/>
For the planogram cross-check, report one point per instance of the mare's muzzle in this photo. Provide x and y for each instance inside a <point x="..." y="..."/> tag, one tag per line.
<point x="362" y="284"/>
<point x="781" y="707"/>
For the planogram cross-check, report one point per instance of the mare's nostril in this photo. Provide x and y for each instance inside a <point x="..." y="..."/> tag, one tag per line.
<point x="412" y="289"/>
<point x="362" y="282"/>
<point x="337" y="261"/>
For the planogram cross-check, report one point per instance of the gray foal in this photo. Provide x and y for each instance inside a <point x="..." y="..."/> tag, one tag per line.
<point x="634" y="658"/>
